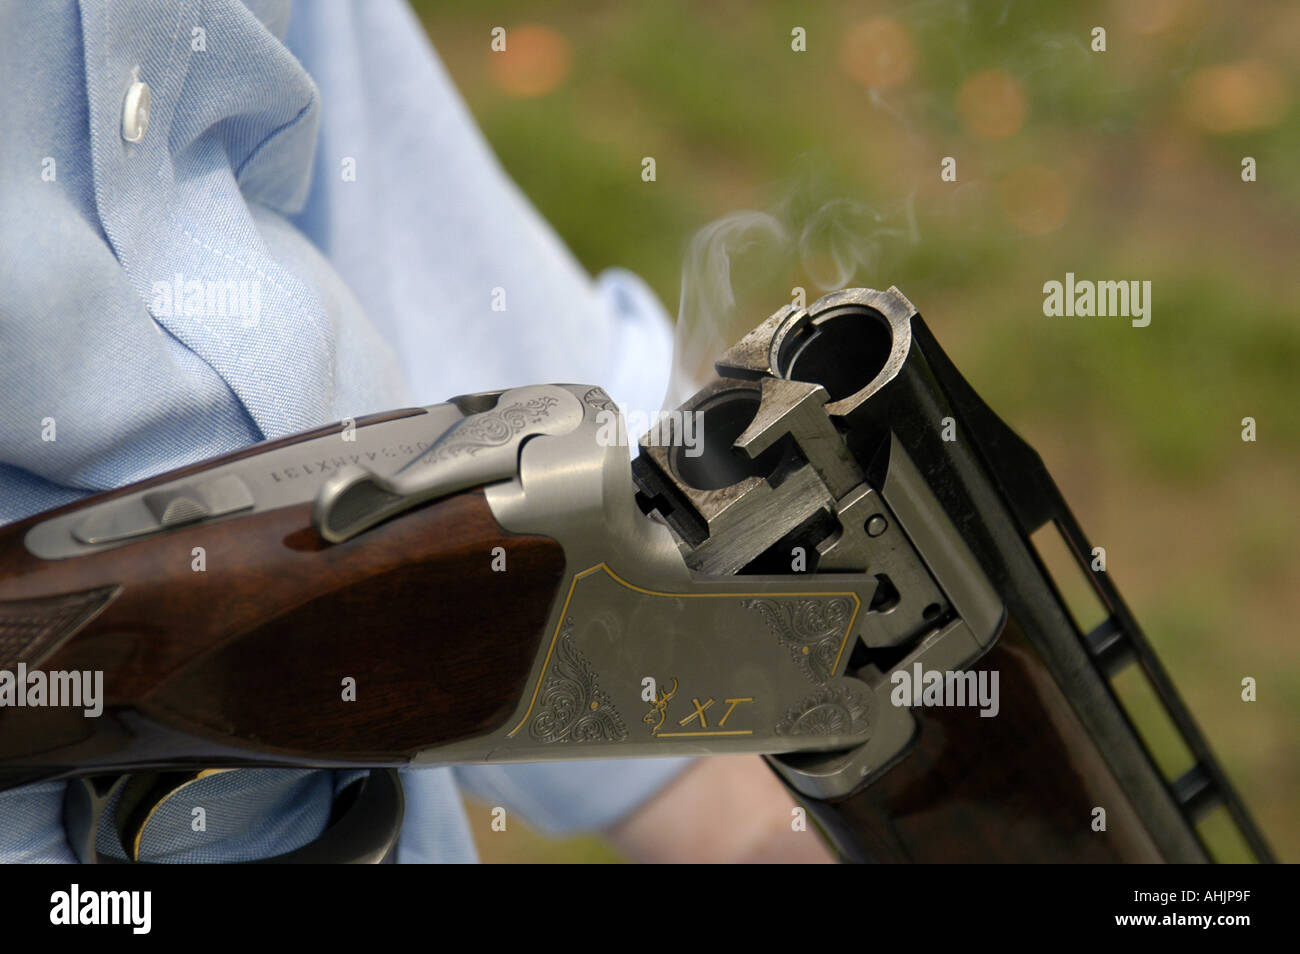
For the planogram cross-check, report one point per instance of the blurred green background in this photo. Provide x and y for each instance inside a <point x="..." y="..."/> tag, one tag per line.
<point x="1123" y="164"/>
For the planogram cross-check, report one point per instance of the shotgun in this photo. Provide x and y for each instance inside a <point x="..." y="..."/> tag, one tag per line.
<point x="823" y="557"/>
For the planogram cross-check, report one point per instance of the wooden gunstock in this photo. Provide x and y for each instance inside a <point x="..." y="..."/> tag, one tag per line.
<point x="249" y="655"/>
<point x="1020" y="787"/>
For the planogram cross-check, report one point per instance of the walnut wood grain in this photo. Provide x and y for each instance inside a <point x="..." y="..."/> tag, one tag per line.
<point x="253" y="650"/>
<point x="1017" y="787"/>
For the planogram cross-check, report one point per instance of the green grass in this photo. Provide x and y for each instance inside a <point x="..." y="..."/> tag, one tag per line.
<point x="1129" y="419"/>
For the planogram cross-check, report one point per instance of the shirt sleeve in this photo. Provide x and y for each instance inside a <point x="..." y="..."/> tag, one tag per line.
<point x="562" y="798"/>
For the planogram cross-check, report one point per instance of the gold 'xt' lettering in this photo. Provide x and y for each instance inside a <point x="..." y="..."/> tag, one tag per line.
<point x="732" y="708"/>
<point x="698" y="713"/>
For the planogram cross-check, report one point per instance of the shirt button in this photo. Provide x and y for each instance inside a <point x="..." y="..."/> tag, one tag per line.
<point x="135" y="109"/>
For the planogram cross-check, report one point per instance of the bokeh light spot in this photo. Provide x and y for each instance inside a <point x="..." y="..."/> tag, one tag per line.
<point x="991" y="105"/>
<point x="535" y="62"/>
<point x="1235" y="97"/>
<point x="1148" y="17"/>
<point x="877" y="53"/>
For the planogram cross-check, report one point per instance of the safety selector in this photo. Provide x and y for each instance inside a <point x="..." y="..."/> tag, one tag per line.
<point x="161" y="510"/>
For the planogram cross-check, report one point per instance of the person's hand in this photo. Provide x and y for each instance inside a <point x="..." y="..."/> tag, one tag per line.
<point x="730" y="809"/>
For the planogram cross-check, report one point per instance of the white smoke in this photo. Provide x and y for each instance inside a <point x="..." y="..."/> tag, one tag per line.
<point x="744" y="266"/>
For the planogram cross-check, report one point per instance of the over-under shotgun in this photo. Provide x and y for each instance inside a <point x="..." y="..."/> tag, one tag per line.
<point x="839" y="575"/>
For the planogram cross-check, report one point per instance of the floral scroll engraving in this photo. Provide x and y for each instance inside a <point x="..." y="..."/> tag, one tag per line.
<point x="828" y="711"/>
<point x="598" y="400"/>
<point x="573" y="707"/>
<point x="812" y="629"/>
<point x="493" y="428"/>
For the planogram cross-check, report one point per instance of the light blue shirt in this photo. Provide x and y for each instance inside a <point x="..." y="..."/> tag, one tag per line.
<point x="318" y="159"/>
